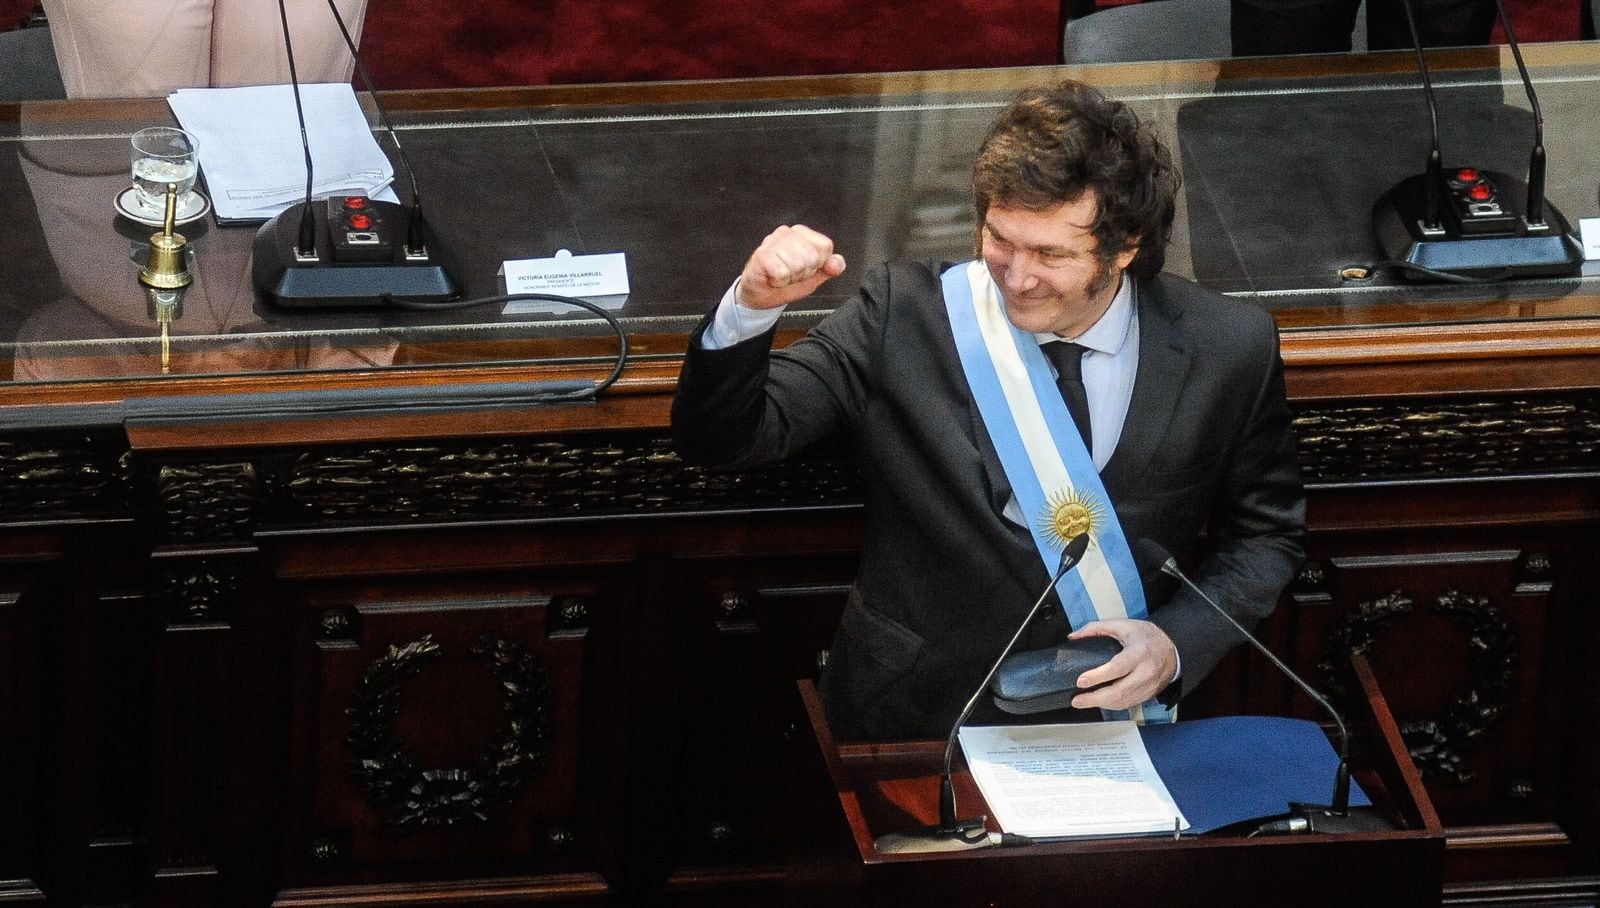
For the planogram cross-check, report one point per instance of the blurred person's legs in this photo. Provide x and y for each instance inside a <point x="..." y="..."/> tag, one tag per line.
<point x="247" y="41"/>
<point x="1264" y="27"/>
<point x="1441" y="23"/>
<point x="1269" y="27"/>
<point x="130" y="48"/>
<point x="140" y="48"/>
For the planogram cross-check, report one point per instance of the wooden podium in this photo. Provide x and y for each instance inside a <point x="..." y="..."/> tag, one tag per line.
<point x="852" y="793"/>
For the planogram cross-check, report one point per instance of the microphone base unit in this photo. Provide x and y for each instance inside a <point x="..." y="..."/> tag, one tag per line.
<point x="361" y="260"/>
<point x="1482" y="232"/>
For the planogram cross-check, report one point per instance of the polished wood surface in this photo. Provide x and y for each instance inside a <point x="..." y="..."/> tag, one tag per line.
<point x="879" y="789"/>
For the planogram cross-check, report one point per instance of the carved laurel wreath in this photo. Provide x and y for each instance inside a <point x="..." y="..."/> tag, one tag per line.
<point x="1438" y="744"/>
<point x="385" y="768"/>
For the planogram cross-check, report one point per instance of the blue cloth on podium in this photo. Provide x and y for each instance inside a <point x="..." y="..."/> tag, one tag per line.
<point x="1233" y="768"/>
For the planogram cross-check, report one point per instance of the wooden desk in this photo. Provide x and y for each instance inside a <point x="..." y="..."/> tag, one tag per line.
<point x="272" y="659"/>
<point x="866" y="794"/>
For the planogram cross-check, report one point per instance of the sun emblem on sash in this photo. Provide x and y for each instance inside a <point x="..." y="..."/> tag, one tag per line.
<point x="1069" y="514"/>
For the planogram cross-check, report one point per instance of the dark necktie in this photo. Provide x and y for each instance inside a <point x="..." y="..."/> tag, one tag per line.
<point x="1068" y="360"/>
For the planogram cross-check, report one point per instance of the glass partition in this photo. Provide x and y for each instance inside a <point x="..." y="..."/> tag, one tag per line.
<point x="1281" y="160"/>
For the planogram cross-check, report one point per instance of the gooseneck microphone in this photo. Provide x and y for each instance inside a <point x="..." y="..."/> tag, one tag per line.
<point x="305" y="249"/>
<point x="1304" y="818"/>
<point x="416" y="225"/>
<point x="1533" y="211"/>
<point x="352" y="251"/>
<point x="1434" y="170"/>
<point x="951" y="833"/>
<point x="1461" y="223"/>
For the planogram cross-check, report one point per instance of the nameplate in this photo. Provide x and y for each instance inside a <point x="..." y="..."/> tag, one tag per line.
<point x="1590" y="229"/>
<point x="569" y="275"/>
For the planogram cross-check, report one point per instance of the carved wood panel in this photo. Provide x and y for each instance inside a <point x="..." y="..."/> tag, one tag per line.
<point x="1466" y="642"/>
<point x="637" y="472"/>
<point x="450" y="727"/>
<point x="195" y="597"/>
<point x="103" y="685"/>
<point x="383" y="706"/>
<point x="60" y="473"/>
<point x="1471" y="436"/>
<point x="20" y="635"/>
<point x="745" y="631"/>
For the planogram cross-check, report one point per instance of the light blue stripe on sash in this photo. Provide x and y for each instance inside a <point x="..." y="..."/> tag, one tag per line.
<point x="986" y="385"/>
<point x="1007" y="439"/>
<point x="1085" y="477"/>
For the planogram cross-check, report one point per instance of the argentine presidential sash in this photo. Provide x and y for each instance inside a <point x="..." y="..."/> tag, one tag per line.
<point x="1045" y="460"/>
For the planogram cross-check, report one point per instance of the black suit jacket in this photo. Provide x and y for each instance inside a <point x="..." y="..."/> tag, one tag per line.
<point x="945" y="577"/>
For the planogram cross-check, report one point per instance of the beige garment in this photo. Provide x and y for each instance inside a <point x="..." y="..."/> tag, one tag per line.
<point x="145" y="48"/>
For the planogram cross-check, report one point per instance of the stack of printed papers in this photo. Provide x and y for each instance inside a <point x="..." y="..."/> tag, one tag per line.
<point x="248" y="143"/>
<point x="1089" y="779"/>
<point x="1117" y="778"/>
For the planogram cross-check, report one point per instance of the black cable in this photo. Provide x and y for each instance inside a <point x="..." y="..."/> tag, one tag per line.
<point x="622" y="336"/>
<point x="377" y="102"/>
<point x="1413" y="268"/>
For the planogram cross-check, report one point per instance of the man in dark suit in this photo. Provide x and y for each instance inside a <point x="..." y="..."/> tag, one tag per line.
<point x="1186" y="423"/>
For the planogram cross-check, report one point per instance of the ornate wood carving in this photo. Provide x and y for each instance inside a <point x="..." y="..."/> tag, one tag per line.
<point x="1471" y="437"/>
<point x="617" y="474"/>
<point x="733" y="606"/>
<point x="336" y="624"/>
<point x="1311" y="584"/>
<point x="569" y="613"/>
<point x="637" y="471"/>
<point x="1535" y="573"/>
<point x="208" y="501"/>
<point x="325" y="850"/>
<point x="55" y="475"/>
<point x="197" y="591"/>
<point x="1439" y="744"/>
<point x="560" y="837"/>
<point x="384" y="767"/>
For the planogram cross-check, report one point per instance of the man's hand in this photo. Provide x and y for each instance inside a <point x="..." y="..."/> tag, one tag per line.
<point x="1147" y="664"/>
<point x="790" y="264"/>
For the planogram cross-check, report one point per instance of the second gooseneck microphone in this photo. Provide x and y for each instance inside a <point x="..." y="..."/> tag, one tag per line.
<point x="1149" y="552"/>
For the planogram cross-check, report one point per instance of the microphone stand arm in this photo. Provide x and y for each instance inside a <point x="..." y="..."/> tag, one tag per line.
<point x="306" y="245"/>
<point x="948" y="821"/>
<point x="1536" y="163"/>
<point x="1340" y="806"/>
<point x="1435" y="178"/>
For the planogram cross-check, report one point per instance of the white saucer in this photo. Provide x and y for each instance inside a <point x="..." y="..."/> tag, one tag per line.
<point x="192" y="206"/>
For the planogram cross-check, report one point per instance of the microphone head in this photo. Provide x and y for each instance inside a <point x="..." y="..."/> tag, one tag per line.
<point x="1073" y="553"/>
<point x="1149" y="555"/>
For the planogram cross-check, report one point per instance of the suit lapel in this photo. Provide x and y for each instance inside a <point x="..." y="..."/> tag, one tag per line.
<point x="1164" y="356"/>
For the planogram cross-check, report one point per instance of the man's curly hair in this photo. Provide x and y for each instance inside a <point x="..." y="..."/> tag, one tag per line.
<point x="1053" y="144"/>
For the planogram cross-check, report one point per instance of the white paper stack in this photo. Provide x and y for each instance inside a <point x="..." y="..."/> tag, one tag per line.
<point x="1085" y="779"/>
<point x="248" y="143"/>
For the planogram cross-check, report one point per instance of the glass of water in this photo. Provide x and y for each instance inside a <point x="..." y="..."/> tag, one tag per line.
<point x="162" y="155"/>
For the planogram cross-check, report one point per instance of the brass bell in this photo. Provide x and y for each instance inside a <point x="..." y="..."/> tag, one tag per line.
<point x="168" y="265"/>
